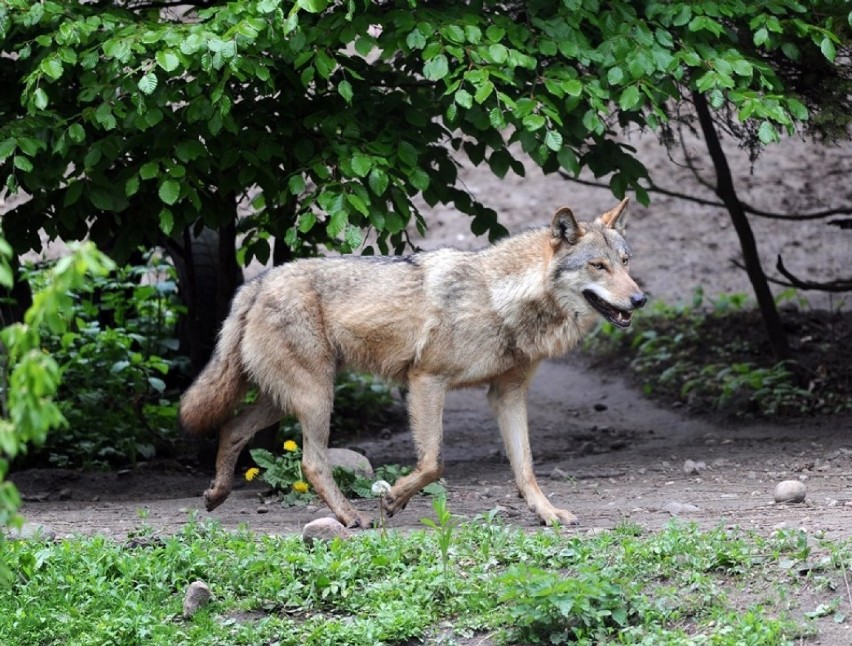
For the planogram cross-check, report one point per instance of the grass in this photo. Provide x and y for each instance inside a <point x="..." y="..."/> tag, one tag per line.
<point x="503" y="585"/>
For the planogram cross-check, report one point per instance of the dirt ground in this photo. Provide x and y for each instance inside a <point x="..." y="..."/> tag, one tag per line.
<point x="601" y="449"/>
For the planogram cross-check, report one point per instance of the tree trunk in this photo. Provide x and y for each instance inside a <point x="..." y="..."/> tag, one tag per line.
<point x="727" y="193"/>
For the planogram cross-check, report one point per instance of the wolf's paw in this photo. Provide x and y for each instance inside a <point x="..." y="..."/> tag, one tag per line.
<point x="392" y="504"/>
<point x="214" y="497"/>
<point x="357" y="520"/>
<point x="558" y="517"/>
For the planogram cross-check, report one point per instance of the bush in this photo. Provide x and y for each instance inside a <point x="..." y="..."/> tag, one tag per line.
<point x="115" y="359"/>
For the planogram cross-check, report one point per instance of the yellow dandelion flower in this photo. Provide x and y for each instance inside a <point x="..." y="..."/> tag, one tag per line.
<point x="291" y="446"/>
<point x="252" y="473"/>
<point x="300" y="486"/>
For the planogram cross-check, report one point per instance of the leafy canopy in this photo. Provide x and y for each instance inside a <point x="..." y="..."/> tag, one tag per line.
<point x="323" y="120"/>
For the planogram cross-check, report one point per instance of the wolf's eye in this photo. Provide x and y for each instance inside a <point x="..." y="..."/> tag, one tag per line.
<point x="625" y="261"/>
<point x="598" y="265"/>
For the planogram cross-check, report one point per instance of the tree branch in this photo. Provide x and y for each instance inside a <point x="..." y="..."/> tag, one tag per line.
<point x="839" y="285"/>
<point x="653" y="188"/>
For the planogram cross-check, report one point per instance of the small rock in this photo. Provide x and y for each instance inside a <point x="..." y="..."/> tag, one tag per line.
<point x="32" y="531"/>
<point x="323" y="529"/>
<point x="352" y="461"/>
<point x="676" y="508"/>
<point x="790" y="491"/>
<point x="65" y="494"/>
<point x="694" y="468"/>
<point x="558" y="474"/>
<point x="197" y="596"/>
<point x="600" y="407"/>
<point x="263" y="509"/>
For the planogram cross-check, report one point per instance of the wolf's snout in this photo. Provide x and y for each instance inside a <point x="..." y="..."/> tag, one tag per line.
<point x="638" y="300"/>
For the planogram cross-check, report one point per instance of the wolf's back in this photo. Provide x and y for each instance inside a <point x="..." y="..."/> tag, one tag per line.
<point x="219" y="388"/>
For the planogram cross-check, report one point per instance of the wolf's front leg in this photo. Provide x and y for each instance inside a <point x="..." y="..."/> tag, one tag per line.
<point x="425" y="407"/>
<point x="508" y="398"/>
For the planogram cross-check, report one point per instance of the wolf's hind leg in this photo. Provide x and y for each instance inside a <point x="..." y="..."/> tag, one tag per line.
<point x="233" y="437"/>
<point x="508" y="397"/>
<point x="425" y="408"/>
<point x="313" y="403"/>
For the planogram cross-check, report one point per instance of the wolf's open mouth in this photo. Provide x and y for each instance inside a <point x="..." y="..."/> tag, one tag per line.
<point x="616" y="316"/>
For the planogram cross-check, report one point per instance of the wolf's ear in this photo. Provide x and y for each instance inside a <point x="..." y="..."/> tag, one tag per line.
<point x="617" y="218"/>
<point x="564" y="227"/>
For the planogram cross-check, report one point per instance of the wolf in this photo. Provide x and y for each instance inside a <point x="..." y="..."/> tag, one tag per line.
<point x="433" y="321"/>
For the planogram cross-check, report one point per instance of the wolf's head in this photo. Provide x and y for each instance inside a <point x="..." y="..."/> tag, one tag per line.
<point x="590" y="266"/>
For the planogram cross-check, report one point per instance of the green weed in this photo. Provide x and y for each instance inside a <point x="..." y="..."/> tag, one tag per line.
<point x="676" y="586"/>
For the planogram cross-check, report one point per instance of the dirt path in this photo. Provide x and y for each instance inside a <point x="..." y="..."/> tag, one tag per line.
<point x="602" y="451"/>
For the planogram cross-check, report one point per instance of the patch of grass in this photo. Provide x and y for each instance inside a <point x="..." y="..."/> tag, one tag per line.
<point x="504" y="585"/>
<point x="716" y="357"/>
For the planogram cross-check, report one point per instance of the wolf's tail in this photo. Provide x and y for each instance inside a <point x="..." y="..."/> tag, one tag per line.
<point x="219" y="388"/>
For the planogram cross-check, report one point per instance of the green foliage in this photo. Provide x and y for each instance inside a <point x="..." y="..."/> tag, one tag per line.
<point x="561" y="608"/>
<point x="444" y="525"/>
<point x="29" y="377"/>
<point x="284" y="474"/>
<point x="124" y="122"/>
<point x="673" y="587"/>
<point x="114" y="357"/>
<point x="705" y="357"/>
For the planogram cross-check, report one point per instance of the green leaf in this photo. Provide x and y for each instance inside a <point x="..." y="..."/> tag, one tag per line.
<point x="268" y="6"/>
<point x="496" y="118"/>
<point x="167" y="220"/>
<point x="22" y="163"/>
<point x="353" y="237"/>
<point x="131" y="186"/>
<point x="169" y="191"/>
<point x="52" y="67"/>
<point x="296" y="184"/>
<point x="148" y="83"/>
<point x="630" y="98"/>
<point x="415" y="40"/>
<point x="568" y="160"/>
<point x="149" y="170"/>
<point x="615" y="75"/>
<point x="378" y="181"/>
<point x="436" y="68"/>
<point x="553" y="140"/>
<point x="534" y="122"/>
<point x="168" y="60"/>
<point x="7" y="147"/>
<point x="361" y="164"/>
<point x="307" y="222"/>
<point x="344" y="89"/>
<point x="767" y="133"/>
<point x="827" y="48"/>
<point x="76" y="133"/>
<point x="573" y="87"/>
<point x="40" y="99"/>
<point x="407" y="153"/>
<point x="499" y="53"/>
<point x="358" y="203"/>
<point x="312" y="6"/>
<point x="463" y="98"/>
<point x="483" y="92"/>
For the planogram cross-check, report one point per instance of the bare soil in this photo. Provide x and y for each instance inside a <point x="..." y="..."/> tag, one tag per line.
<point x="602" y="450"/>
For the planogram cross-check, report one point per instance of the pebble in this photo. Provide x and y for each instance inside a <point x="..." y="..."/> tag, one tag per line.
<point x="558" y="474"/>
<point x="351" y="460"/>
<point x="790" y="491"/>
<point x="323" y="529"/>
<point x="676" y="508"/>
<point x="32" y="531"/>
<point x="197" y="596"/>
<point x="694" y="468"/>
